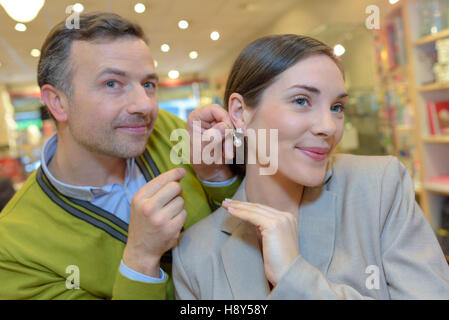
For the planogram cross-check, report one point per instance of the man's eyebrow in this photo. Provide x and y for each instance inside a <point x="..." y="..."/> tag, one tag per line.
<point x="117" y="72"/>
<point x="316" y="90"/>
<point x="122" y="73"/>
<point x="152" y="76"/>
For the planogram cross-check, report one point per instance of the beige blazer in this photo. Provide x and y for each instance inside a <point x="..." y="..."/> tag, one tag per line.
<point x="361" y="235"/>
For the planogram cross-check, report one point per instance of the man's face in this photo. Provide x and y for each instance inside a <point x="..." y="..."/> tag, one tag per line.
<point x="113" y="106"/>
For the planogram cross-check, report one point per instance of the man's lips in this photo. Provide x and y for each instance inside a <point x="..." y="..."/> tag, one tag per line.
<point x="316" y="153"/>
<point x="140" y="127"/>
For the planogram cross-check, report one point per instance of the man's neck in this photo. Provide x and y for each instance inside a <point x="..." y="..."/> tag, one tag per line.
<point x="75" y="165"/>
<point x="276" y="191"/>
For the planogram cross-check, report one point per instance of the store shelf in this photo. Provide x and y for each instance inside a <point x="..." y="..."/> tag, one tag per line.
<point x="434" y="87"/>
<point x="439" y="188"/>
<point x="432" y="38"/>
<point x="436" y="139"/>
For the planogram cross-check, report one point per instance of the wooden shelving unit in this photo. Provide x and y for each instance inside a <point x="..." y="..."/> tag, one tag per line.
<point x="433" y="151"/>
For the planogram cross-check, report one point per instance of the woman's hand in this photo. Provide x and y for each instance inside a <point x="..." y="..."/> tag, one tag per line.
<point x="279" y="232"/>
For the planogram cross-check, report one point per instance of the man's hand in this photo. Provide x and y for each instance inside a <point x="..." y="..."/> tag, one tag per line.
<point x="157" y="217"/>
<point x="212" y="117"/>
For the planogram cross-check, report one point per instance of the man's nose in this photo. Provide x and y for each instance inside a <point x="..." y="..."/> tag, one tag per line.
<point x="139" y="101"/>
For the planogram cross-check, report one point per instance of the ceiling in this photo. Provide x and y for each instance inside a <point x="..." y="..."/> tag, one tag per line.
<point x="236" y="20"/>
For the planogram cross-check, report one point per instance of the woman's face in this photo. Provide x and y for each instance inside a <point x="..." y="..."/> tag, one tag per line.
<point x="306" y="106"/>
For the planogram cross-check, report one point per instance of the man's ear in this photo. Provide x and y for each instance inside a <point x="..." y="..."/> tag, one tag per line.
<point x="56" y="101"/>
<point x="238" y="111"/>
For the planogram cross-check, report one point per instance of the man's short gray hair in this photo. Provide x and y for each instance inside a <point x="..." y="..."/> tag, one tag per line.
<point x="54" y="66"/>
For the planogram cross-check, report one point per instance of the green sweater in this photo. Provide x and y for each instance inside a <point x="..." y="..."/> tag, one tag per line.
<point x="43" y="233"/>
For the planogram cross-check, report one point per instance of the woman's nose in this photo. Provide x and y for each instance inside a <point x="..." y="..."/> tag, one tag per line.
<point x="325" y="124"/>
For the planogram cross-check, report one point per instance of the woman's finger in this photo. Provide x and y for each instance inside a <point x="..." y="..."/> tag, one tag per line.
<point x="255" y="218"/>
<point x="251" y="206"/>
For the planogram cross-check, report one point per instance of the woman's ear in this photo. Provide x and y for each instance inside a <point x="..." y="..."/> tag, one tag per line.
<point x="56" y="102"/>
<point x="236" y="110"/>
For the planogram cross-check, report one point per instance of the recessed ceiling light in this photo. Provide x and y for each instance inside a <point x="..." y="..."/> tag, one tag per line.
<point x="339" y="50"/>
<point x="165" y="48"/>
<point x="35" y="53"/>
<point x="193" y="54"/>
<point x="215" y="35"/>
<point x="139" y="8"/>
<point x="20" y="27"/>
<point x="173" y="74"/>
<point x="78" y="7"/>
<point x="393" y="1"/>
<point x="183" y="24"/>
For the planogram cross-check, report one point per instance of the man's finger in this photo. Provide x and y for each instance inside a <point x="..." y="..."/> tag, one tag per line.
<point x="166" y="194"/>
<point x="156" y="184"/>
<point x="209" y="114"/>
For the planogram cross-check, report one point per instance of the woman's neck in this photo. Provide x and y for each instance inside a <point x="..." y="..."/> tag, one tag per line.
<point x="75" y="165"/>
<point x="276" y="191"/>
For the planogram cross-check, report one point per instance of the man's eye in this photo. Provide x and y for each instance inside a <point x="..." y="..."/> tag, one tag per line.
<point x="149" y="85"/>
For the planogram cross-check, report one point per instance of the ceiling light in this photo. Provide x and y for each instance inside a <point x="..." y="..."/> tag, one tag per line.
<point x="20" y="27"/>
<point x="214" y="35"/>
<point x="393" y="1"/>
<point x="165" y="48"/>
<point x="155" y="63"/>
<point x="139" y="8"/>
<point x="78" y="7"/>
<point x="193" y="54"/>
<point x="22" y="10"/>
<point x="339" y="50"/>
<point x="183" y="24"/>
<point x="173" y="74"/>
<point x="35" y="53"/>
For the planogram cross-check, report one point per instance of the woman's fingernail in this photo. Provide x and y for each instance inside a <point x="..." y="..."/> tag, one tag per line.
<point x="230" y="209"/>
<point x="227" y="201"/>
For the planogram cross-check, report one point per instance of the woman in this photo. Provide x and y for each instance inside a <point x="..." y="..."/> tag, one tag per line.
<point x="321" y="226"/>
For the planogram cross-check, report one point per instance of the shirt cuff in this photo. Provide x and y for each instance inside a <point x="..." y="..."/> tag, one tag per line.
<point x="219" y="183"/>
<point x="137" y="276"/>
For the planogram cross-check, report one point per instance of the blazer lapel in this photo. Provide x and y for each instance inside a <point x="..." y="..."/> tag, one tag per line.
<point x="243" y="264"/>
<point x="317" y="227"/>
<point x="242" y="258"/>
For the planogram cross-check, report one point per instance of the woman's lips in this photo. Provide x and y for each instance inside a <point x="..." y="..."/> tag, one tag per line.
<point x="317" y="154"/>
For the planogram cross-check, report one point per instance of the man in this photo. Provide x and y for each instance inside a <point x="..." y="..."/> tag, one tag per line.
<point x="98" y="219"/>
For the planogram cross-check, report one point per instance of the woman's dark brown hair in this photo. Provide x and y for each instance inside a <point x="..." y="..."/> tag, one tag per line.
<point x="261" y="63"/>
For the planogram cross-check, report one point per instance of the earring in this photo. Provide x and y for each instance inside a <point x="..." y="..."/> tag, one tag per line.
<point x="237" y="140"/>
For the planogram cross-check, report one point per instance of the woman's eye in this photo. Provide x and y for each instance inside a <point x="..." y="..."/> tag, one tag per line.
<point x="301" y="101"/>
<point x="338" y="108"/>
<point x="112" y="84"/>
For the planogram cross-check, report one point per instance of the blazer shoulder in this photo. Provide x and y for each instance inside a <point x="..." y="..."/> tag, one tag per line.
<point x="365" y="167"/>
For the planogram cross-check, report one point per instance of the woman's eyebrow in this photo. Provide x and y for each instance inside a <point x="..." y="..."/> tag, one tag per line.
<point x="308" y="88"/>
<point x="316" y="90"/>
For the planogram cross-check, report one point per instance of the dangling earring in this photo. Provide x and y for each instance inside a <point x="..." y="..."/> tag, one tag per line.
<point x="237" y="139"/>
